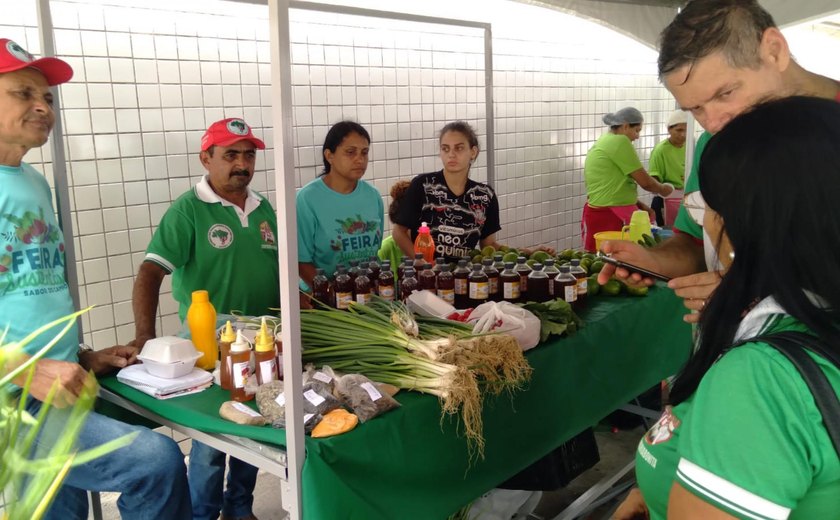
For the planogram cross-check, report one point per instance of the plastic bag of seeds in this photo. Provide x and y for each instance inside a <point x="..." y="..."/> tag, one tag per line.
<point x="363" y="397"/>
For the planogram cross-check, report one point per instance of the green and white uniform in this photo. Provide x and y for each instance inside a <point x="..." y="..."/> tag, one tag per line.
<point x="667" y="163"/>
<point x="335" y="228"/>
<point x="684" y="222"/>
<point x="607" y="170"/>
<point x="206" y="242"/>
<point x="750" y="441"/>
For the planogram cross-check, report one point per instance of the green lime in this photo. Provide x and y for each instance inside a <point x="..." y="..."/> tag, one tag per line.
<point x="540" y="256"/>
<point x="475" y="252"/>
<point x="531" y="262"/>
<point x="504" y="249"/>
<point x="639" y="290"/>
<point x="510" y="257"/>
<point x="577" y="254"/>
<point x="592" y="285"/>
<point x="611" y="288"/>
<point x="477" y="259"/>
<point x="566" y="254"/>
<point x="488" y="251"/>
<point x="596" y="266"/>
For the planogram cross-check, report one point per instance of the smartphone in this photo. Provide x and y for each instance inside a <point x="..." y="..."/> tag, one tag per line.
<point x="633" y="268"/>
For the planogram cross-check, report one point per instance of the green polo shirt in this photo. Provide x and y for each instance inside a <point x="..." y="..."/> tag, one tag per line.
<point x="607" y="170"/>
<point x="750" y="441"/>
<point x="206" y="242"/>
<point x="684" y="222"/>
<point x="667" y="163"/>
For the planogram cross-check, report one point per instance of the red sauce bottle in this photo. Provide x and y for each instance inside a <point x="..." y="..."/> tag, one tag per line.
<point x="551" y="272"/>
<point x="373" y="272"/>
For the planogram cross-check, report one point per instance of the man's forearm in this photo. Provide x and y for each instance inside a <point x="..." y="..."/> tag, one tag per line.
<point x="144" y="300"/>
<point x="679" y="256"/>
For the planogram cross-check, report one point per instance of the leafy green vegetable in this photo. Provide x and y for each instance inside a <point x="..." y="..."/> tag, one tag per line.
<point x="556" y="317"/>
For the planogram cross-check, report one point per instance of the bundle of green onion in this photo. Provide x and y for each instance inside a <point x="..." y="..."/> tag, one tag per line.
<point x="384" y="341"/>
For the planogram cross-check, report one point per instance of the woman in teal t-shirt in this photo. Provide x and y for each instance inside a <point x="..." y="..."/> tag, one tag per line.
<point x="339" y="216"/>
<point x="612" y="172"/>
<point x="744" y="438"/>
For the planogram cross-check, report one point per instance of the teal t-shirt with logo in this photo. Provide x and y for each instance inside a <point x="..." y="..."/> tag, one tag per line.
<point x="335" y="228"/>
<point x="750" y="441"/>
<point x="208" y="243"/>
<point x="33" y="286"/>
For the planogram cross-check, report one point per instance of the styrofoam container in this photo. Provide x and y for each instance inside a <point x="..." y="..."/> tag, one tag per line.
<point x="426" y="303"/>
<point x="169" y="356"/>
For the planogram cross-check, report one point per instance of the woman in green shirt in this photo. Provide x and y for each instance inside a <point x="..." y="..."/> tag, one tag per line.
<point x="744" y="438"/>
<point x="612" y="172"/>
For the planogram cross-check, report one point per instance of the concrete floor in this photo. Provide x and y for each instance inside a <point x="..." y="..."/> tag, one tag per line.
<point x="616" y="450"/>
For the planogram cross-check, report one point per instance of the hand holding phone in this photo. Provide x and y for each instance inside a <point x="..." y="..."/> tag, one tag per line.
<point x="633" y="268"/>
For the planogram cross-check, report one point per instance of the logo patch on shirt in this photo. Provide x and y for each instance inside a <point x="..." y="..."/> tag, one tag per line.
<point x="220" y="236"/>
<point x="266" y="233"/>
<point x="664" y="428"/>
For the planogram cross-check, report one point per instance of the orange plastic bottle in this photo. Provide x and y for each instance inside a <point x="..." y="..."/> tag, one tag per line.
<point x="201" y="318"/>
<point x="225" y="341"/>
<point x="424" y="243"/>
<point x="240" y="362"/>
<point x="266" y="356"/>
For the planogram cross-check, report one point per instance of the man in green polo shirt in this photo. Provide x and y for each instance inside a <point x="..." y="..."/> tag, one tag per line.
<point x="718" y="58"/>
<point x="220" y="236"/>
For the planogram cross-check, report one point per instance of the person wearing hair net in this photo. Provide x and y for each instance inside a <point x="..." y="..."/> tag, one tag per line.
<point x="667" y="164"/>
<point x="611" y="172"/>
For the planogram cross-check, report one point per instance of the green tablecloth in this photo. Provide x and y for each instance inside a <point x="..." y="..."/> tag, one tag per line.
<point x="407" y="464"/>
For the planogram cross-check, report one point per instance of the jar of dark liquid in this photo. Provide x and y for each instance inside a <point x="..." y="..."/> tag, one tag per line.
<point x="419" y="262"/>
<point x="523" y="270"/>
<point x="498" y="262"/>
<point x="439" y="262"/>
<point x="354" y="269"/>
<point x="407" y="262"/>
<point x="446" y="285"/>
<point x="551" y="272"/>
<point x="509" y="279"/>
<point x="478" y="286"/>
<point x="427" y="280"/>
<point x="401" y="267"/>
<point x="343" y="289"/>
<point x="492" y="280"/>
<point x="385" y="287"/>
<point x="362" y="286"/>
<point x="373" y="272"/>
<point x="582" y="281"/>
<point x="321" y="288"/>
<point x="409" y="284"/>
<point x="538" y="285"/>
<point x="565" y="285"/>
<point x="460" y="276"/>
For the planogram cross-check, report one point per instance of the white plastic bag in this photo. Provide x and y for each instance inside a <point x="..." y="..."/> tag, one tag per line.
<point x="508" y="318"/>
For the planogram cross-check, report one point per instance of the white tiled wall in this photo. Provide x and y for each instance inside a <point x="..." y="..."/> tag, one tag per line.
<point x="150" y="78"/>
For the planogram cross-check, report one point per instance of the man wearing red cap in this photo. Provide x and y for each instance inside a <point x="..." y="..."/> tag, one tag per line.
<point x="219" y="236"/>
<point x="149" y="473"/>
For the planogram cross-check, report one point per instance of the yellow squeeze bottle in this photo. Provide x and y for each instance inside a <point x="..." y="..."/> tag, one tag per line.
<point x="225" y="340"/>
<point x="266" y="356"/>
<point x="201" y="318"/>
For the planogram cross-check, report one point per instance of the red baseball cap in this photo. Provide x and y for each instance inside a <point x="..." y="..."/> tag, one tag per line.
<point x="229" y="131"/>
<point x="14" y="57"/>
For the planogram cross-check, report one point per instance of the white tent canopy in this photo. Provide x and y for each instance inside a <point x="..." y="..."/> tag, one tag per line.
<point x="645" y="19"/>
